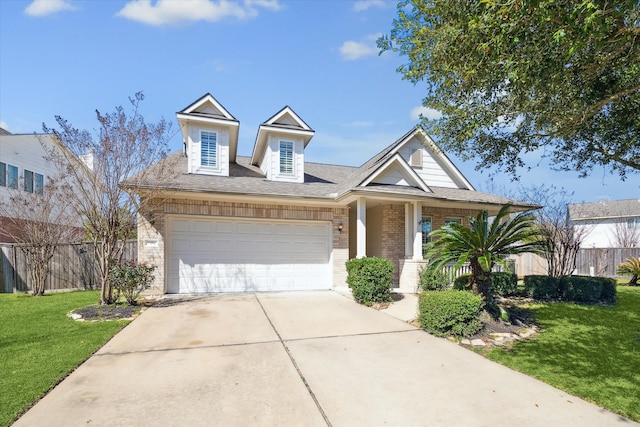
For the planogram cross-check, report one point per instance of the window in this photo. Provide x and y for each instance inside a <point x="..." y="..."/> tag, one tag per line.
<point x="12" y="177"/>
<point x="39" y="184"/>
<point x="631" y="223"/>
<point x="286" y="157"/>
<point x="426" y="229"/>
<point x="208" y="149"/>
<point x="3" y="174"/>
<point x="28" y="181"/>
<point x="452" y="220"/>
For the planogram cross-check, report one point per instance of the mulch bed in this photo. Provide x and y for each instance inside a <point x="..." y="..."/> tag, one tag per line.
<point x="107" y="312"/>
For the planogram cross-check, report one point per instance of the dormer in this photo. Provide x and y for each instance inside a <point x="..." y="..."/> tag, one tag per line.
<point x="210" y="135"/>
<point x="279" y="147"/>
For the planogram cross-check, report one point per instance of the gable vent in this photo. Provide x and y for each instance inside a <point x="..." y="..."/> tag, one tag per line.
<point x="416" y="158"/>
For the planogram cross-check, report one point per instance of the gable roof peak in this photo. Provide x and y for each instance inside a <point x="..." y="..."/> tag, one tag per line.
<point x="208" y="106"/>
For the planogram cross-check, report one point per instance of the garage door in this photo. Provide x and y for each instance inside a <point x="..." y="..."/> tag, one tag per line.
<point x="231" y="255"/>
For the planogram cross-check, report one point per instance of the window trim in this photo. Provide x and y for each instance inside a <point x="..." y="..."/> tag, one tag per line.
<point x="13" y="181"/>
<point x="452" y="220"/>
<point x="27" y="181"/>
<point x="216" y="154"/>
<point x="38" y="183"/>
<point x="425" y="236"/>
<point x="282" y="143"/>
<point x="3" y="174"/>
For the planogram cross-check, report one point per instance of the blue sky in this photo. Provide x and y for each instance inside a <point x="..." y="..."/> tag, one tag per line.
<point x="69" y="58"/>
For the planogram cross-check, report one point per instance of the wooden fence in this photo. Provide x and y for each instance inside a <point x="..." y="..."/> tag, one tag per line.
<point x="73" y="266"/>
<point x="590" y="262"/>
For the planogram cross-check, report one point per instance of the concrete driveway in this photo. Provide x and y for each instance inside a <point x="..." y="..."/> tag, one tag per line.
<point x="296" y="359"/>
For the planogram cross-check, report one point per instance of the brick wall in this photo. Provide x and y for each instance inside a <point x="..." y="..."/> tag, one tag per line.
<point x="392" y="236"/>
<point x="151" y="227"/>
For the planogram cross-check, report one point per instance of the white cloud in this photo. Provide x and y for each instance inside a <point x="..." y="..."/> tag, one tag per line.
<point x="174" y="12"/>
<point x="422" y="111"/>
<point x="47" y="7"/>
<point x="4" y="125"/>
<point x="363" y="5"/>
<point x="352" y="50"/>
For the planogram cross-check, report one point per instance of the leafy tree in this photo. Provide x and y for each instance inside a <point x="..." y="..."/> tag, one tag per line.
<point x="123" y="147"/>
<point x="38" y="221"/>
<point x="560" y="79"/>
<point x="483" y="245"/>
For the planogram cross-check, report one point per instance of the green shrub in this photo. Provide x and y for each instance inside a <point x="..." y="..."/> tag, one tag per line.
<point x="461" y="283"/>
<point x="370" y="279"/>
<point x="504" y="283"/>
<point x="588" y="289"/>
<point x="431" y="280"/>
<point x="609" y="293"/>
<point x="541" y="287"/>
<point x="130" y="278"/>
<point x="450" y="312"/>
<point x="580" y="289"/>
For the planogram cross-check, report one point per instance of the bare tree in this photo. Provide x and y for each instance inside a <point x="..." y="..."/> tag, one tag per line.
<point x="38" y="221"/>
<point x="562" y="238"/>
<point x="626" y="235"/>
<point x="123" y="147"/>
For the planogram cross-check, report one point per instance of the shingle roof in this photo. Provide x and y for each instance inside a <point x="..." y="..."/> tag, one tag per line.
<point x="4" y="132"/>
<point x="628" y="208"/>
<point x="321" y="181"/>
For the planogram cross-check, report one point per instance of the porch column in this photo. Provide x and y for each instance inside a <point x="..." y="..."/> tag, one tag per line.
<point x="408" y="230"/>
<point x="417" y="235"/>
<point x="361" y="228"/>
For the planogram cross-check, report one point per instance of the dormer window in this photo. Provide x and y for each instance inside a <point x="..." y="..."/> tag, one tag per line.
<point x="286" y="157"/>
<point x="208" y="149"/>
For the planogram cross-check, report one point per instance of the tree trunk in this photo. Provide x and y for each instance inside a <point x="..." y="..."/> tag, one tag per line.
<point x="481" y="281"/>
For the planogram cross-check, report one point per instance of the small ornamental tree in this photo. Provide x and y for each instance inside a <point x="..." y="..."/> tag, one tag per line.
<point x="123" y="148"/>
<point x="483" y="245"/>
<point x="38" y="221"/>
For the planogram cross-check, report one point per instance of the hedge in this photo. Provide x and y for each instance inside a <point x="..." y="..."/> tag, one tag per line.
<point x="504" y="283"/>
<point x="541" y="287"/>
<point x="584" y="289"/>
<point x="370" y="279"/>
<point x="450" y="312"/>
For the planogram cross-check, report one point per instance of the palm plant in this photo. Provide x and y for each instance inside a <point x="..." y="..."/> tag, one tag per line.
<point x="483" y="245"/>
<point x="631" y="266"/>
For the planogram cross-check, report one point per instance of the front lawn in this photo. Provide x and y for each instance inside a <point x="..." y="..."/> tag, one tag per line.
<point x="40" y="345"/>
<point x="589" y="351"/>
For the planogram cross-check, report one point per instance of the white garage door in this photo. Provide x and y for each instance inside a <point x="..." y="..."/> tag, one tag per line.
<point x="232" y="255"/>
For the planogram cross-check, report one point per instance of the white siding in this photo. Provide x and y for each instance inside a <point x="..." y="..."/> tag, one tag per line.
<point x="392" y="177"/>
<point x="271" y="164"/>
<point x="27" y="152"/>
<point x="193" y="150"/>
<point x="599" y="234"/>
<point x="431" y="172"/>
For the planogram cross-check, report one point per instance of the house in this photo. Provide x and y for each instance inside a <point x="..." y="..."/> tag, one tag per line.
<point x="607" y="224"/>
<point x="273" y="221"/>
<point x="24" y="166"/>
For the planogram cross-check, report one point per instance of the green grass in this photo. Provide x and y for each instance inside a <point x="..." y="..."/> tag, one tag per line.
<point x="589" y="351"/>
<point x="40" y="345"/>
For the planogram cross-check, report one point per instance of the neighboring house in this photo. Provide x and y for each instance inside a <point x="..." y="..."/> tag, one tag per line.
<point x="24" y="167"/>
<point x="273" y="221"/>
<point x="607" y="224"/>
